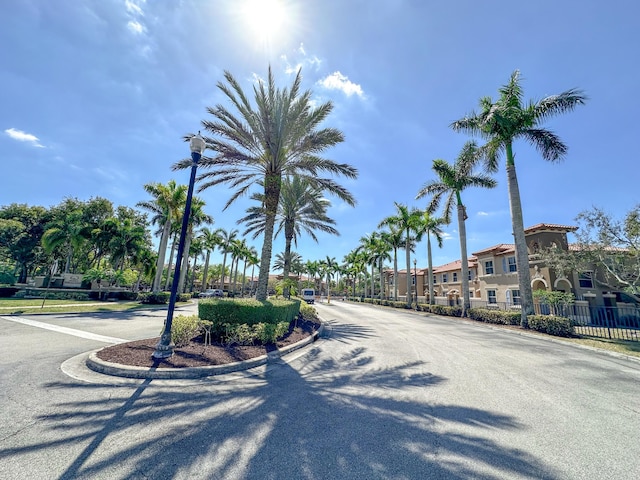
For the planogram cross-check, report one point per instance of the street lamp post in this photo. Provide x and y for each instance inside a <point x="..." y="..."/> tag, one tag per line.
<point x="415" y="281"/>
<point x="164" y="348"/>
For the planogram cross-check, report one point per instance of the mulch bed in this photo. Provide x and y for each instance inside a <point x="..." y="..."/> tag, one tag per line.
<point x="197" y="354"/>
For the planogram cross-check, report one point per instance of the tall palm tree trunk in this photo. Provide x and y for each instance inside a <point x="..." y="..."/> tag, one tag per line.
<point x="173" y="248"/>
<point x="272" y="186"/>
<point x="288" y="235"/>
<point x="462" y="215"/>
<point x="162" y="253"/>
<point x="408" y="255"/>
<point x="522" y="255"/>
<point x="395" y="274"/>
<point x="206" y="270"/>
<point x="185" y="262"/>
<point x="224" y="266"/>
<point x="244" y="277"/>
<point x="373" y="279"/>
<point x="381" y="279"/>
<point x="235" y="277"/>
<point x="430" y="262"/>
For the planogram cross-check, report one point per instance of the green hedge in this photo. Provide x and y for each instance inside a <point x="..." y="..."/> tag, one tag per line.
<point x="236" y="311"/>
<point x="454" y="311"/>
<point x="500" y="317"/>
<point x="6" y="292"/>
<point x="550" y="324"/>
<point x="154" y="298"/>
<point x="184" y="297"/>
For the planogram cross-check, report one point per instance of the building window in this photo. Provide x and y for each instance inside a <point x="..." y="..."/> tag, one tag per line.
<point x="515" y="297"/>
<point x="435" y="279"/>
<point x="585" y="280"/>
<point x="413" y="279"/>
<point x="455" y="277"/>
<point x="512" y="264"/>
<point x="444" y="278"/>
<point x="488" y="267"/>
<point x="470" y="274"/>
<point x="491" y="296"/>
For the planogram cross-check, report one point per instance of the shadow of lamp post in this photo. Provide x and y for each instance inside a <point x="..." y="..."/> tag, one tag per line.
<point x="164" y="348"/>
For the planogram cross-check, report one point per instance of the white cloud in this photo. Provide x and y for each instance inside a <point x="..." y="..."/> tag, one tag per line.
<point x="133" y="7"/>
<point x="135" y="27"/>
<point x="306" y="61"/>
<point x="21" y="136"/>
<point x="338" y="81"/>
<point x="483" y="214"/>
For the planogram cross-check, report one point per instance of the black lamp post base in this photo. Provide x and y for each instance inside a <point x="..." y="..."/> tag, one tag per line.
<point x="163" y="350"/>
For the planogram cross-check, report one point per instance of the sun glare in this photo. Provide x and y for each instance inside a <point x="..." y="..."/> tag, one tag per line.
<point x="265" y="18"/>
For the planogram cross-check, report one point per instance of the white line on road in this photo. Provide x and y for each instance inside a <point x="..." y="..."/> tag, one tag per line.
<point x="68" y="331"/>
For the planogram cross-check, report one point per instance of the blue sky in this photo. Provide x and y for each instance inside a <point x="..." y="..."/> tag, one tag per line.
<point x="96" y="96"/>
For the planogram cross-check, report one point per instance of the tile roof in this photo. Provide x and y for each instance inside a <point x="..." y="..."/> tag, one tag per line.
<point x="550" y="226"/>
<point x="499" y="249"/>
<point x="453" y="266"/>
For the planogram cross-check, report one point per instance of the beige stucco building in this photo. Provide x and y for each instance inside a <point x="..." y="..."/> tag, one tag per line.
<point x="493" y="275"/>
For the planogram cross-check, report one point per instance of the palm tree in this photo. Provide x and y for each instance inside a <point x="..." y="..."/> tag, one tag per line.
<point x="196" y="249"/>
<point x="68" y="232"/>
<point x="301" y="208"/>
<point x="253" y="260"/>
<point x="281" y="136"/>
<point x="500" y="123"/>
<point x="312" y="267"/>
<point x="165" y="205"/>
<point x="367" y="251"/>
<point x="127" y="240"/>
<point x="249" y="255"/>
<point x="431" y="226"/>
<point x="145" y="261"/>
<point x="329" y="265"/>
<point x="452" y="180"/>
<point x="226" y="238"/>
<point x="239" y="251"/>
<point x="408" y="221"/>
<point x="394" y="239"/>
<point x="210" y="240"/>
<point x="197" y="217"/>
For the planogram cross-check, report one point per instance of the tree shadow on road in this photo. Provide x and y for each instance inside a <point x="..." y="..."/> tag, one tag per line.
<point x="331" y="417"/>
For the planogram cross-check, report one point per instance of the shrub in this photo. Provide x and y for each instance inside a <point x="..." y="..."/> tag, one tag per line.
<point x="250" y="311"/>
<point x="127" y="295"/>
<point x="184" y="297"/>
<point x="270" y="332"/>
<point x="184" y="328"/>
<point x="8" y="291"/>
<point x="499" y="317"/>
<point x="550" y="324"/>
<point x="446" y="310"/>
<point x="154" y="298"/>
<point x="241" y="334"/>
<point x="308" y="312"/>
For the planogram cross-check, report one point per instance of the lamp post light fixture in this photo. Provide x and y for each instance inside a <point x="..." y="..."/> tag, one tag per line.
<point x="164" y="348"/>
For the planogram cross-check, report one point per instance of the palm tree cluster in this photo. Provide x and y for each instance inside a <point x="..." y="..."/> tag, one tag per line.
<point x="500" y="123"/>
<point x="275" y="144"/>
<point x="82" y="235"/>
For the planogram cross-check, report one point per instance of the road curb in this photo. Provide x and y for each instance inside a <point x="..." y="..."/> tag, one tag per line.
<point x="117" y="370"/>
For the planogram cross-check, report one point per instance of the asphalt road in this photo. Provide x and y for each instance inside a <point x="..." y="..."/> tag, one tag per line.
<point x="385" y="394"/>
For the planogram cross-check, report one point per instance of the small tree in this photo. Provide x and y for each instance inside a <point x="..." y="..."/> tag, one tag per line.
<point x="558" y="301"/>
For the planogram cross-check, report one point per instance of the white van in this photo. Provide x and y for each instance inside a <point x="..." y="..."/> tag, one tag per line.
<point x="308" y="295"/>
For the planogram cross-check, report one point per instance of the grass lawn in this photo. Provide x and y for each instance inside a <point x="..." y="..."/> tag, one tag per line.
<point x="30" y="306"/>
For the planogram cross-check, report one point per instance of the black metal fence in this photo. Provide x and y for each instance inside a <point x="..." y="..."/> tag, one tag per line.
<point x="622" y="323"/>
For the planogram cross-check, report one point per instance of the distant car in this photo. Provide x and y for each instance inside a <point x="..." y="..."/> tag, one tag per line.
<point x="212" y="292"/>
